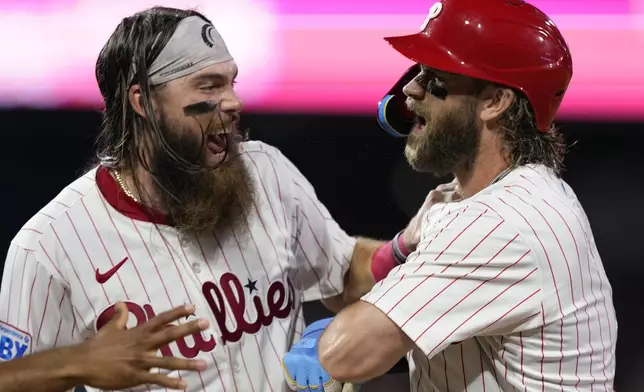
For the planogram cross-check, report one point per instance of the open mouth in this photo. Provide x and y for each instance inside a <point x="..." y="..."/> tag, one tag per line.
<point x="217" y="142"/>
<point x="222" y="139"/>
<point x="419" y="124"/>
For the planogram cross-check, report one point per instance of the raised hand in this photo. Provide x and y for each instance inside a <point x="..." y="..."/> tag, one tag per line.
<point x="118" y="358"/>
<point x="444" y="193"/>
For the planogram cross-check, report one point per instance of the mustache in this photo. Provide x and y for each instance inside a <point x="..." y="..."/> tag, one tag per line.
<point x="230" y="129"/>
<point x="218" y="123"/>
<point x="221" y="122"/>
<point x="413" y="105"/>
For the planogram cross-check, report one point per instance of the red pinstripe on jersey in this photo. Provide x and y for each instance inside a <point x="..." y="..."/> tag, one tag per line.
<point x="601" y="276"/>
<point x="293" y="251"/>
<point x="498" y="288"/>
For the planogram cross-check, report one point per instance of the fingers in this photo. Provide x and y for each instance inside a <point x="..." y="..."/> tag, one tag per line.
<point x="452" y="196"/>
<point x="168" y="317"/>
<point x="172" y="333"/>
<point x="448" y="187"/>
<point x="163" y="380"/>
<point x="435" y="196"/>
<point x="444" y="193"/>
<point x="119" y="320"/>
<point x="172" y="363"/>
<point x="349" y="387"/>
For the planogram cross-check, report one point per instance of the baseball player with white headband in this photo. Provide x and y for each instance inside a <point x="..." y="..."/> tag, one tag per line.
<point x="506" y="290"/>
<point x="181" y="209"/>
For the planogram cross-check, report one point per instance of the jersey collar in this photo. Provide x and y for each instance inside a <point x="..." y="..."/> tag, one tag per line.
<point x="124" y="204"/>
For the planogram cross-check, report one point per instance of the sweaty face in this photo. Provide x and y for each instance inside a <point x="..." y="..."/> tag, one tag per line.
<point x="446" y="135"/>
<point x="216" y="198"/>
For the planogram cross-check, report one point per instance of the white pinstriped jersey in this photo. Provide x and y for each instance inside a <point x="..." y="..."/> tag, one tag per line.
<point x="92" y="246"/>
<point x="506" y="292"/>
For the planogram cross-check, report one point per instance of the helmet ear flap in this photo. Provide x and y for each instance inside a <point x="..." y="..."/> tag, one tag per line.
<point x="393" y="115"/>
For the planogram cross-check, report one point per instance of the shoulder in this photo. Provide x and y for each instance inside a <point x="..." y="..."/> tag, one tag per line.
<point x="266" y="159"/>
<point x="474" y="226"/>
<point x="272" y="168"/>
<point x="519" y="215"/>
<point x="531" y="211"/>
<point x="254" y="150"/>
<point x="537" y="203"/>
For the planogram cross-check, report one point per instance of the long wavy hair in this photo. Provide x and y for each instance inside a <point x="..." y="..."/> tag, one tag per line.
<point x="124" y="61"/>
<point x="525" y="143"/>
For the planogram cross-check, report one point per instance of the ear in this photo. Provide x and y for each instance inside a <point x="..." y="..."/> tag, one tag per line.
<point x="500" y="100"/>
<point x="134" y="97"/>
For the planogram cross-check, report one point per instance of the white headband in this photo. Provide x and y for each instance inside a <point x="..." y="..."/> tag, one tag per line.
<point x="195" y="45"/>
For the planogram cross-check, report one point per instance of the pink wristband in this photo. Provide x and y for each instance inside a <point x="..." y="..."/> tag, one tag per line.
<point x="383" y="261"/>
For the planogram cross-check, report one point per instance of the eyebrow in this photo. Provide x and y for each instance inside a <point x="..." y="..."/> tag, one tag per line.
<point x="440" y="74"/>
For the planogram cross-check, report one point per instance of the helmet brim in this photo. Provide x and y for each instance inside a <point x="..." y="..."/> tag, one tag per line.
<point x="421" y="49"/>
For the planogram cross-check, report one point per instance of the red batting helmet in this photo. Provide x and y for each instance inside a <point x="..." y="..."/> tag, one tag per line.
<point x="508" y="42"/>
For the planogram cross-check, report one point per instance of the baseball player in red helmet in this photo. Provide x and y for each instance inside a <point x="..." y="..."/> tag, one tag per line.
<point x="506" y="290"/>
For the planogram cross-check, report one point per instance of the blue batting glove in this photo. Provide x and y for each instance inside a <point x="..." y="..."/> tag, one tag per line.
<point x="302" y="366"/>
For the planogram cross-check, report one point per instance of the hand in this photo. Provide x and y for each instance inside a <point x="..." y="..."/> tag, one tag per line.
<point x="302" y="367"/>
<point x="444" y="193"/>
<point x="119" y="358"/>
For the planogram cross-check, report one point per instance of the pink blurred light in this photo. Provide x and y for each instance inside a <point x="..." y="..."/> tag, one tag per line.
<point x="420" y="6"/>
<point x="309" y="60"/>
<point x="324" y="75"/>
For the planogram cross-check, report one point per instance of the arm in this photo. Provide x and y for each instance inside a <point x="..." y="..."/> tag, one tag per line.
<point x="115" y="358"/>
<point x="52" y="370"/>
<point x="35" y="307"/>
<point x="362" y="343"/>
<point x="358" y="279"/>
<point x="471" y="275"/>
<point x="327" y="259"/>
<point x="373" y="260"/>
<point x="333" y="266"/>
<point x="32" y="303"/>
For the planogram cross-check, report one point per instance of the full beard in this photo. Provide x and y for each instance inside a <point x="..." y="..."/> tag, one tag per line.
<point x="448" y="143"/>
<point x="209" y="201"/>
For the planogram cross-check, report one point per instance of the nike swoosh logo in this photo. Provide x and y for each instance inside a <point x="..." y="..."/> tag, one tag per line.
<point x="102" y="278"/>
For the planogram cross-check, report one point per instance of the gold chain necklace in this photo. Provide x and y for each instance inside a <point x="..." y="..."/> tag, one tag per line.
<point x="124" y="187"/>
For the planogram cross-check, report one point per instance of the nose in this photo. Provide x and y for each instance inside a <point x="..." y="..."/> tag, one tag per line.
<point x="231" y="104"/>
<point x="414" y="91"/>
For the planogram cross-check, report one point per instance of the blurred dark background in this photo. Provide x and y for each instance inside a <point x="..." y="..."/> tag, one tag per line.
<point x="359" y="172"/>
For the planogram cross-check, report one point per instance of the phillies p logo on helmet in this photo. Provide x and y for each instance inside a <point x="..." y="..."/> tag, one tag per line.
<point x="433" y="13"/>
